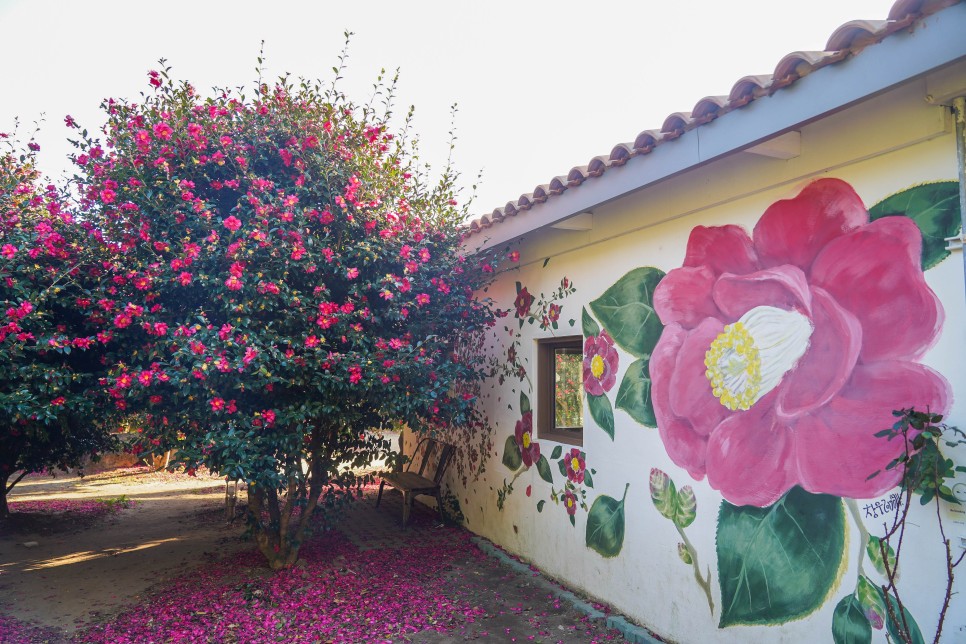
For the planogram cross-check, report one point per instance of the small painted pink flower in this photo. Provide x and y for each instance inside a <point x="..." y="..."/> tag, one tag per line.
<point x="576" y="465"/>
<point x="600" y="364"/>
<point x="570" y="502"/>
<point x="523" y="433"/>
<point x="523" y="302"/>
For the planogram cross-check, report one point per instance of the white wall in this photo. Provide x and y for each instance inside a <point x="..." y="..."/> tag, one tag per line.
<point x="883" y="146"/>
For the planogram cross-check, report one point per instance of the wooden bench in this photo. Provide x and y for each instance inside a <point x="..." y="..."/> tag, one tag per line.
<point x="412" y="484"/>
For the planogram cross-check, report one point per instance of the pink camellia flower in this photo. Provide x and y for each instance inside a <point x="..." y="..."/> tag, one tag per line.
<point x="8" y="251"/>
<point x="217" y="404"/>
<point x="785" y="352"/>
<point x="553" y="312"/>
<point x="576" y="465"/>
<point x="522" y="302"/>
<point x="163" y="131"/>
<point x="600" y="364"/>
<point x="232" y="223"/>
<point x="570" y="502"/>
<point x="523" y="432"/>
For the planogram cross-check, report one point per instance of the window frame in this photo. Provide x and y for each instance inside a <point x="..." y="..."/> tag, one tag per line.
<point x="546" y="385"/>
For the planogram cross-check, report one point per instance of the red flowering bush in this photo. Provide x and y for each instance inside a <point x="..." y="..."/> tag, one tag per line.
<point x="286" y="280"/>
<point x="49" y="341"/>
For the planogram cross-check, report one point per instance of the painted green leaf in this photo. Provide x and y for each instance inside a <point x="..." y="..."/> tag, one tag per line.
<point x="557" y="451"/>
<point x="849" y="624"/>
<point x="573" y="520"/>
<point x="935" y="209"/>
<point x="540" y="505"/>
<point x="663" y="493"/>
<point x="874" y="550"/>
<point x="588" y="479"/>
<point x="543" y="468"/>
<point x="605" y="525"/>
<point x="589" y="326"/>
<point x="894" y="629"/>
<point x="625" y="310"/>
<point x="512" y="457"/>
<point x="684" y="554"/>
<point x="778" y="563"/>
<point x="602" y="413"/>
<point x="872" y="603"/>
<point x="524" y="403"/>
<point x="686" y="507"/>
<point x="634" y="394"/>
<point x="562" y="467"/>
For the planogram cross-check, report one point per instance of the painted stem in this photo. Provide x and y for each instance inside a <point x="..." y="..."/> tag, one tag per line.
<point x="704" y="582"/>
<point x="863" y="533"/>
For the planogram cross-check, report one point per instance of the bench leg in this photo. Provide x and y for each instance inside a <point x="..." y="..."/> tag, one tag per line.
<point x="382" y="484"/>
<point x="439" y="506"/>
<point x="407" y="507"/>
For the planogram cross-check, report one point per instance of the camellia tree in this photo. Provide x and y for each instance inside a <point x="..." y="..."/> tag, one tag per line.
<point x="51" y="335"/>
<point x="287" y="280"/>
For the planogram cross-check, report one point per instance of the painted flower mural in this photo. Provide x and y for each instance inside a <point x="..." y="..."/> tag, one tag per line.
<point x="600" y="364"/>
<point x="523" y="433"/>
<point x="576" y="466"/>
<point x="785" y="351"/>
<point x="523" y="302"/>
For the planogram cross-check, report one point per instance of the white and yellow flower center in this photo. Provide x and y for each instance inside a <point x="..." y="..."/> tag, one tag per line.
<point x="750" y="357"/>
<point x="597" y="366"/>
<point x="526" y="440"/>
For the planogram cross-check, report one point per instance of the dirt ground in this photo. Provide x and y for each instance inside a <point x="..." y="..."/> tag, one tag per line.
<point x="83" y="572"/>
<point x="77" y="571"/>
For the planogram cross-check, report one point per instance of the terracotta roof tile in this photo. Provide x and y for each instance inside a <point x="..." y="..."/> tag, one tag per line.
<point x="849" y="39"/>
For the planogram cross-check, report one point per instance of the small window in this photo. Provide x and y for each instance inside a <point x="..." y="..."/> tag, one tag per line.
<point x="560" y="412"/>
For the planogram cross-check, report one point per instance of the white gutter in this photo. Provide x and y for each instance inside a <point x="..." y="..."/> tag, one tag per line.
<point x="935" y="41"/>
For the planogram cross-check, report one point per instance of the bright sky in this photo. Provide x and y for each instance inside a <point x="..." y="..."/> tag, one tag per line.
<point x="542" y="86"/>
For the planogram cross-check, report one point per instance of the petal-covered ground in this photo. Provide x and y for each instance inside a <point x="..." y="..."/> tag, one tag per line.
<point x="367" y="581"/>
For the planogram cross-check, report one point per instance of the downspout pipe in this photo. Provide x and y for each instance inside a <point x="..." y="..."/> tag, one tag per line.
<point x="959" y="118"/>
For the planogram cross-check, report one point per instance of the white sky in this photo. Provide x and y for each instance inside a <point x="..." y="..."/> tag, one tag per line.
<point x="542" y="86"/>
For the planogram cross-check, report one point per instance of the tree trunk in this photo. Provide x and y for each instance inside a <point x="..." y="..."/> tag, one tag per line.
<point x="281" y="538"/>
<point x="4" y="509"/>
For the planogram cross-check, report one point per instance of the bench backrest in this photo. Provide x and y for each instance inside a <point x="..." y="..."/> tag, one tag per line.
<point x="433" y="446"/>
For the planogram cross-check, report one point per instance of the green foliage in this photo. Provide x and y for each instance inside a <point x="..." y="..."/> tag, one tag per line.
<point x="626" y="312"/>
<point x="849" y="624"/>
<point x="605" y="525"/>
<point x="634" y="394"/>
<point x="778" y="563"/>
<point x="602" y="412"/>
<point x="588" y="325"/>
<point x="680" y="506"/>
<point x="543" y="468"/>
<point x="935" y="209"/>
<point x="925" y="470"/>
<point x="512" y="457"/>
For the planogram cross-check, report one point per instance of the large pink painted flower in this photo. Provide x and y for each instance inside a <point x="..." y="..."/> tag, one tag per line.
<point x="784" y="352"/>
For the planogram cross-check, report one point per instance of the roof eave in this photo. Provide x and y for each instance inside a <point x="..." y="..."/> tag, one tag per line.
<point x="932" y="43"/>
